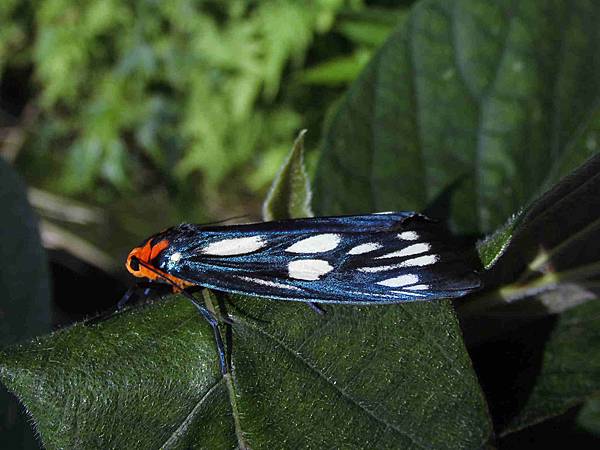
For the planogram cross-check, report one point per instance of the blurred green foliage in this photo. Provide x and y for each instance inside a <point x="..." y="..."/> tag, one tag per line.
<point x="195" y="95"/>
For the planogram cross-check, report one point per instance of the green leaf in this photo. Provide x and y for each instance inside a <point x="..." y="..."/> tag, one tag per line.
<point x="371" y="31"/>
<point x="150" y="377"/>
<point x="484" y="92"/>
<point x="554" y="252"/>
<point x="336" y="71"/>
<point x="357" y="377"/>
<point x="137" y="380"/>
<point x="25" y="301"/>
<point x="550" y="251"/>
<point x="570" y="369"/>
<point x="589" y="416"/>
<point x="290" y="194"/>
<point x="494" y="245"/>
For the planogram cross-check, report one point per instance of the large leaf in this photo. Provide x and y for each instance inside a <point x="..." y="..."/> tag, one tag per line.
<point x="358" y="378"/>
<point x="501" y="96"/>
<point x="380" y="377"/>
<point x="25" y="301"/>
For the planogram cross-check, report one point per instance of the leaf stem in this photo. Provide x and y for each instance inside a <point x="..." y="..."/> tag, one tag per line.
<point x="544" y="257"/>
<point x="242" y="444"/>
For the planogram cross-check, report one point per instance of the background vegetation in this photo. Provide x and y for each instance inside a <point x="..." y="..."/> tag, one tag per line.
<point x="125" y="117"/>
<point x="187" y="106"/>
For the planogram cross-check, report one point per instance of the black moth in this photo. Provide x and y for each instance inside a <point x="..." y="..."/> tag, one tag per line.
<point x="379" y="258"/>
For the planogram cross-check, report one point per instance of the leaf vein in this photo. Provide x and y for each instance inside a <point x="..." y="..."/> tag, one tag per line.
<point x="336" y="388"/>
<point x="172" y="440"/>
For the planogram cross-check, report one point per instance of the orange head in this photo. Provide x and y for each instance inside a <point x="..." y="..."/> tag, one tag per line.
<point x="140" y="263"/>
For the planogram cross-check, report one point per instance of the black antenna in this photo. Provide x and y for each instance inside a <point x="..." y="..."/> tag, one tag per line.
<point x="226" y="220"/>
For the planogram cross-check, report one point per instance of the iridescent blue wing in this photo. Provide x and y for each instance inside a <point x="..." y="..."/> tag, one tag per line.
<point x="376" y="258"/>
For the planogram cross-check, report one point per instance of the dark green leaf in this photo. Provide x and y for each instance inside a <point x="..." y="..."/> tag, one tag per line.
<point x="486" y="92"/>
<point x="551" y="251"/>
<point x="589" y="416"/>
<point x="550" y="264"/>
<point x="137" y="380"/>
<point x="24" y="271"/>
<point x="25" y="302"/>
<point x="290" y="194"/>
<point x="357" y="378"/>
<point x="570" y="369"/>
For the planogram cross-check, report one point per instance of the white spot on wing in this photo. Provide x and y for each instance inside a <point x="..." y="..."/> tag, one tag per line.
<point x="315" y="244"/>
<point x="385" y="212"/>
<point x="378" y="268"/>
<point x="419" y="287"/>
<point x="234" y="246"/>
<point x="414" y="262"/>
<point x="414" y="294"/>
<point x="402" y="280"/>
<point x="270" y="283"/>
<point x="414" y="249"/>
<point x="175" y="257"/>
<point x="364" y="248"/>
<point x="408" y="236"/>
<point x="390" y="294"/>
<point x="308" y="269"/>
<point x="420" y="261"/>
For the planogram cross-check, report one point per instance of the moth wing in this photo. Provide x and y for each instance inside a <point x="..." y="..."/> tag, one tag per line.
<point x="385" y="258"/>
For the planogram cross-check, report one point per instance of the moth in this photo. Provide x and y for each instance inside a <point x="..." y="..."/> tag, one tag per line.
<point x="380" y="258"/>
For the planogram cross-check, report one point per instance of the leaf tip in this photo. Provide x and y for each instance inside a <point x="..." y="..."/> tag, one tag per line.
<point x="290" y="194"/>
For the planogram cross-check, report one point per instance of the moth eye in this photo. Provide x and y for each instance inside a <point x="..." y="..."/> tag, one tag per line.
<point x="134" y="264"/>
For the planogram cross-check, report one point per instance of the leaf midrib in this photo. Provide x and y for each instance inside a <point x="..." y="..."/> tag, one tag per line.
<point x="171" y="440"/>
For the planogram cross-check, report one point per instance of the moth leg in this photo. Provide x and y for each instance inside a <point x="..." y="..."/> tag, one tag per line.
<point x="212" y="321"/>
<point x="147" y="289"/>
<point x="208" y="297"/>
<point x="223" y="309"/>
<point x="316" y="308"/>
<point x="227" y="320"/>
<point x="126" y="297"/>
